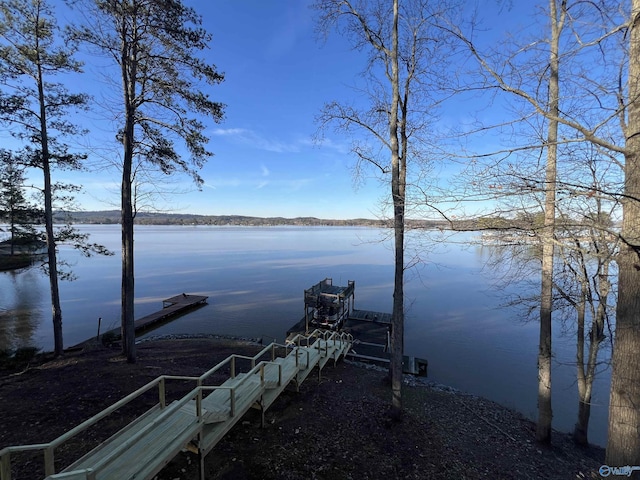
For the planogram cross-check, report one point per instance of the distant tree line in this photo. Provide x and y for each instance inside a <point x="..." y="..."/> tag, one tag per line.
<point x="109" y="217"/>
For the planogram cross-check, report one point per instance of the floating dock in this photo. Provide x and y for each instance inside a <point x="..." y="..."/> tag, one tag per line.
<point x="170" y="308"/>
<point x="369" y="316"/>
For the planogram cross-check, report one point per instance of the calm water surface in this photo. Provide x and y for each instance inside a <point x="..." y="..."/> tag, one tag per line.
<point x="255" y="277"/>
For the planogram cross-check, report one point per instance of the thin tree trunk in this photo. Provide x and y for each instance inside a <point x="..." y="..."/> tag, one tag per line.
<point x="397" y="193"/>
<point x="545" y="414"/>
<point x="128" y="286"/>
<point x="12" y="218"/>
<point x="128" y="66"/>
<point x="623" y="447"/>
<point x="56" y="310"/>
<point x="588" y="371"/>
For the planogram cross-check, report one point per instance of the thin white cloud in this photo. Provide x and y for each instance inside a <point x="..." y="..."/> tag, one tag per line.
<point x="227" y="132"/>
<point x="262" y="185"/>
<point x="256" y="140"/>
<point x="265" y="171"/>
<point x="222" y="183"/>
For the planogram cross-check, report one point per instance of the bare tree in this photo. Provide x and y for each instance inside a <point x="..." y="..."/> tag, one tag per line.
<point x="610" y="120"/>
<point x="623" y="447"/>
<point x="545" y="415"/>
<point x="525" y="82"/>
<point x="400" y="42"/>
<point x="153" y="43"/>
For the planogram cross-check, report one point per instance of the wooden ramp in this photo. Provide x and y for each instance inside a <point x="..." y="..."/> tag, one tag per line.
<point x="199" y="420"/>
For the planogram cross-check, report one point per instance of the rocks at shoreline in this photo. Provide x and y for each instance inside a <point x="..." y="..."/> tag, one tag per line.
<point x="190" y="336"/>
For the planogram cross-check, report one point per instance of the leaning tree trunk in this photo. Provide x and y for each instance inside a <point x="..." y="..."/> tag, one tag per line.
<point x="623" y="446"/>
<point x="56" y="310"/>
<point x="52" y="261"/>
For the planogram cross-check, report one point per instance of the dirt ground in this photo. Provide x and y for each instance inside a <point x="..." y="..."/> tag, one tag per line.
<point x="333" y="428"/>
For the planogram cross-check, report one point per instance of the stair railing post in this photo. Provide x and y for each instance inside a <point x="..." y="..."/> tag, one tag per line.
<point x="162" y="393"/>
<point x="233" y="366"/>
<point x="5" y="466"/>
<point x="49" y="461"/>
<point x="201" y="472"/>
<point x="199" y="404"/>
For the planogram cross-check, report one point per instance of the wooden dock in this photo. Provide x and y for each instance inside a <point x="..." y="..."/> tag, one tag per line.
<point x="370" y="316"/>
<point x="170" y="308"/>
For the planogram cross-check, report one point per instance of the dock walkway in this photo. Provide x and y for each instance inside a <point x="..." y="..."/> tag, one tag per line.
<point x="170" y="307"/>
<point x="197" y="421"/>
<point x="369" y="316"/>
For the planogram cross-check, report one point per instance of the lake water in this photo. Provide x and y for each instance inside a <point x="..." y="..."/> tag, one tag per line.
<point x="255" y="277"/>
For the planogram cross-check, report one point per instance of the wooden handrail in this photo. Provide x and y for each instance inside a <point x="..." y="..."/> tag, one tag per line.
<point x="140" y="433"/>
<point x="231" y="359"/>
<point x="213" y="370"/>
<point x="197" y="394"/>
<point x="49" y="448"/>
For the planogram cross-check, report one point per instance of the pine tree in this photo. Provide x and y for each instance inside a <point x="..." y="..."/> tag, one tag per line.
<point x="35" y="108"/>
<point x="15" y="209"/>
<point x="154" y="44"/>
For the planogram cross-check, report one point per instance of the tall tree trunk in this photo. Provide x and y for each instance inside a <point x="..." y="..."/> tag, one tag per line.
<point x="128" y="286"/>
<point x="623" y="447"/>
<point x="51" y="257"/>
<point x="128" y="66"/>
<point x="56" y="310"/>
<point x="397" y="193"/>
<point x="545" y="414"/>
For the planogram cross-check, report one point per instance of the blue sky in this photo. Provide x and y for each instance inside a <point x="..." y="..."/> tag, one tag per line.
<point x="278" y="76"/>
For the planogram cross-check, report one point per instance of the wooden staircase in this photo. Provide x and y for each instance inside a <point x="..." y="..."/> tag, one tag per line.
<point x="198" y="420"/>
